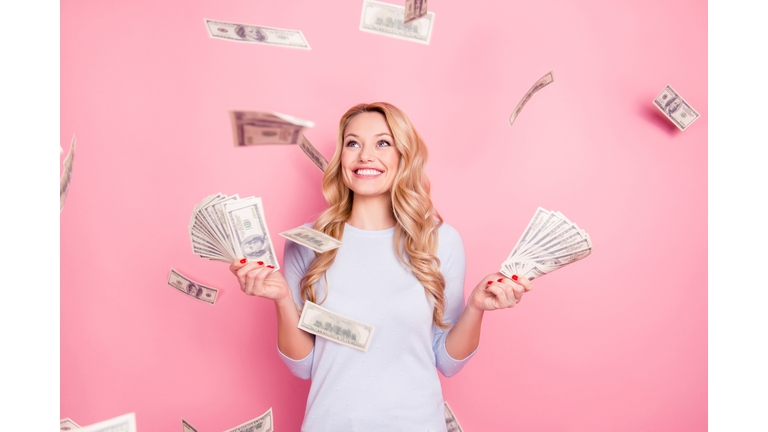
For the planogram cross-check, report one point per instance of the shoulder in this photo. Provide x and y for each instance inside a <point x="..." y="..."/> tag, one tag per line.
<point x="448" y="238"/>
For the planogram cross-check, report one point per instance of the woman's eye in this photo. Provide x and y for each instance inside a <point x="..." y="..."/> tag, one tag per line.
<point x="383" y="143"/>
<point x="352" y="144"/>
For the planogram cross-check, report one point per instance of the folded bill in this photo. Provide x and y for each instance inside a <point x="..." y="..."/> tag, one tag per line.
<point x="262" y="423"/>
<point x="542" y="82"/>
<point x="186" y="427"/>
<point x="334" y="327"/>
<point x="451" y="423"/>
<point x="261" y="127"/>
<point x="313" y="239"/>
<point x="67" y="425"/>
<point x="66" y="176"/>
<point x="414" y="9"/>
<point x="387" y="19"/>
<point x="192" y="289"/>
<point x="123" y="423"/>
<point x="313" y="153"/>
<point x="677" y="109"/>
<point x="257" y="34"/>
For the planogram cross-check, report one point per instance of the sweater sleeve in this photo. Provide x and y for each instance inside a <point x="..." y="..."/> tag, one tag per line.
<point x="453" y="267"/>
<point x="296" y="262"/>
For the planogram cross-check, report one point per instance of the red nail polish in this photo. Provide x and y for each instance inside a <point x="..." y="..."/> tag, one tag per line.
<point x="499" y="280"/>
<point x="270" y="266"/>
<point x="486" y="287"/>
<point x="260" y="262"/>
<point x="514" y="277"/>
<point x="242" y="261"/>
<point x="490" y="282"/>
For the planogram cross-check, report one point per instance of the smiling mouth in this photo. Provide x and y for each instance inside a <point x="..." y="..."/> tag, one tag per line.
<point x="368" y="172"/>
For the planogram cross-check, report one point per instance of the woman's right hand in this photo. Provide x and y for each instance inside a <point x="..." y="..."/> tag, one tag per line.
<point x="258" y="280"/>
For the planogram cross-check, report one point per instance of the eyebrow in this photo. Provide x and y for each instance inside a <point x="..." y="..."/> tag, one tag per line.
<point x="351" y="134"/>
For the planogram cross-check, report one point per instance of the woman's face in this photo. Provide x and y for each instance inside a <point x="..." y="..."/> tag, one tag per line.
<point x="369" y="159"/>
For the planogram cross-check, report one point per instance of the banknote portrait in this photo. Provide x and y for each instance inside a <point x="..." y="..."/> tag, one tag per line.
<point x="250" y="33"/>
<point x="255" y="246"/>
<point x="194" y="290"/>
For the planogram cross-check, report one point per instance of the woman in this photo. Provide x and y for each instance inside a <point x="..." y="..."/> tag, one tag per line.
<point x="401" y="269"/>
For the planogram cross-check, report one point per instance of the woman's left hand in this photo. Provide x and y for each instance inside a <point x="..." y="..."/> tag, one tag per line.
<point x="497" y="291"/>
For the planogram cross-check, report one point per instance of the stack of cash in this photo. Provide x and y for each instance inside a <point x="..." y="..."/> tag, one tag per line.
<point x="262" y="423"/>
<point x="226" y="228"/>
<point x="550" y="242"/>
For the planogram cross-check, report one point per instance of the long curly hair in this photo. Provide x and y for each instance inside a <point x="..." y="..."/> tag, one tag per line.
<point x="418" y="221"/>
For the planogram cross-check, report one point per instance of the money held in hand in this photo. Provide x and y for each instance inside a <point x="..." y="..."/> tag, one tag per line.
<point x="123" y="423"/>
<point x="262" y="423"/>
<point x="414" y="9"/>
<point x="550" y="242"/>
<point x="191" y="288"/>
<point x="312" y="239"/>
<point x="313" y="153"/>
<point x="388" y="20"/>
<point x="542" y="82"/>
<point x="257" y="34"/>
<point x="66" y="176"/>
<point x="451" y="423"/>
<point x="677" y="110"/>
<point x="334" y="327"/>
<point x="257" y="127"/>
<point x="226" y="229"/>
<point x="68" y="425"/>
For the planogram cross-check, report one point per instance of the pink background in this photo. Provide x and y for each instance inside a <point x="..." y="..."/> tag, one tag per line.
<point x="615" y="342"/>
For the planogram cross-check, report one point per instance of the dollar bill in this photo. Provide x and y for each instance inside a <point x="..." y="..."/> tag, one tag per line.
<point x="262" y="423"/>
<point x="677" y="109"/>
<point x="66" y="176"/>
<point x="313" y="153"/>
<point x="186" y="427"/>
<point x="544" y="81"/>
<point x="451" y="423"/>
<point x="548" y="243"/>
<point x="67" y="425"/>
<point x="414" y="9"/>
<point x="388" y="20"/>
<point x="249" y="230"/>
<point x="312" y="239"/>
<point x="123" y="423"/>
<point x="257" y="34"/>
<point x="334" y="327"/>
<point x="191" y="288"/>
<point x="258" y="127"/>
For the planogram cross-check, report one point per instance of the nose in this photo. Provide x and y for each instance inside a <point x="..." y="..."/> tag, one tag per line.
<point x="366" y="154"/>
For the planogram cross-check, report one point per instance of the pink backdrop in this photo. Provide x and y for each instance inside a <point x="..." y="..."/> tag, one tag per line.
<point x="615" y="342"/>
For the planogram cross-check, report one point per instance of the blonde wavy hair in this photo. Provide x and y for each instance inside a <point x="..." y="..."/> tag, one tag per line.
<point x="417" y="220"/>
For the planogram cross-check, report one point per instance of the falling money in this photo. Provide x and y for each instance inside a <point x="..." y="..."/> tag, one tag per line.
<point x="544" y="81"/>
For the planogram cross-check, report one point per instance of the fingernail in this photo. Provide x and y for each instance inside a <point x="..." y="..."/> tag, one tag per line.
<point x="486" y="287"/>
<point x="499" y="280"/>
<point x="490" y="282"/>
<point x="270" y="266"/>
<point x="242" y="261"/>
<point x="260" y="262"/>
<point x="514" y="277"/>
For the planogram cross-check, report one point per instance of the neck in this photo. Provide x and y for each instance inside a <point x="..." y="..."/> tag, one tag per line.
<point x="372" y="213"/>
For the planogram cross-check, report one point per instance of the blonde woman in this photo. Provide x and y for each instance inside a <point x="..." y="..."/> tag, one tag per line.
<point x="401" y="269"/>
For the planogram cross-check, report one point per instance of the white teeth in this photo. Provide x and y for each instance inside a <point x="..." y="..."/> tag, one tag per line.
<point x="368" y="172"/>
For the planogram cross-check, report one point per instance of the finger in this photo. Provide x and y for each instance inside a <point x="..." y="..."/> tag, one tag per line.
<point x="237" y="265"/>
<point x="245" y="268"/>
<point x="511" y="288"/>
<point x="255" y="279"/>
<point x="522" y="280"/>
<point x="500" y="295"/>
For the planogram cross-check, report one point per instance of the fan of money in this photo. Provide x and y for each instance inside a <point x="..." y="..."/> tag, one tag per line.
<point x="549" y="243"/>
<point x="226" y="228"/>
